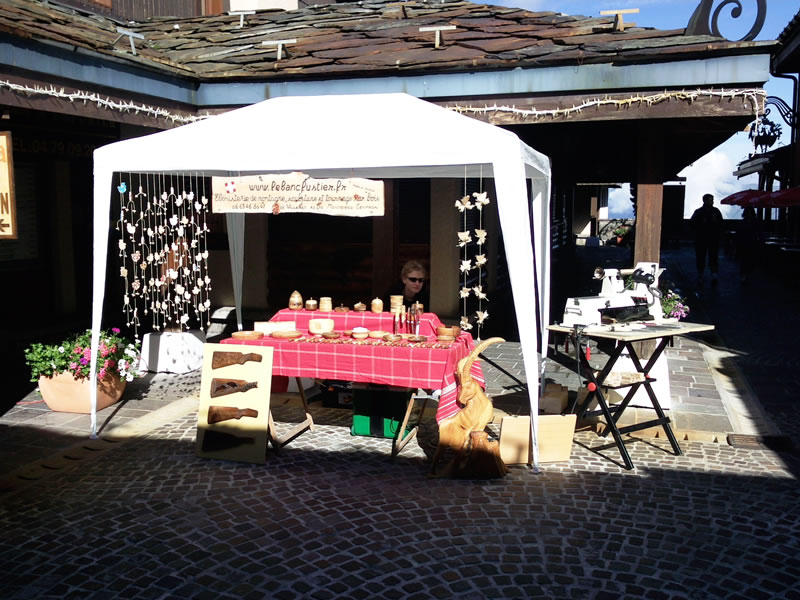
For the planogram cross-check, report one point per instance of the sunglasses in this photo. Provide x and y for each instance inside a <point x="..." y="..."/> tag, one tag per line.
<point x="416" y="279"/>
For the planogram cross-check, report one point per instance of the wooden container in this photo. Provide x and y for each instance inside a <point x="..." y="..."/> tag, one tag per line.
<point x="295" y="301"/>
<point x="325" y="304"/>
<point x="320" y="326"/>
<point x="247" y="335"/>
<point x="377" y="305"/>
<point x="311" y="304"/>
<point x="555" y="438"/>
<point x="453" y="331"/>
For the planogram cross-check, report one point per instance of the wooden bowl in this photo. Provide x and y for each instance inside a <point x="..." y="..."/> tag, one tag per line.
<point x="392" y="337"/>
<point x="417" y="338"/>
<point x="360" y="333"/>
<point x="453" y="331"/>
<point x="331" y="335"/>
<point x="445" y="338"/>
<point x="247" y="335"/>
<point x="378" y="335"/>
<point x="286" y="335"/>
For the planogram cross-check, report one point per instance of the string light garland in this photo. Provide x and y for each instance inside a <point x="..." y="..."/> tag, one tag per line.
<point x="756" y="98"/>
<point x="101" y="102"/>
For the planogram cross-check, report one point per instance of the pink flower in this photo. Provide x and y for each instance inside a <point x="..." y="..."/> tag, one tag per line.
<point x="73" y="366"/>
<point x="87" y="352"/>
<point x="84" y="360"/>
<point x="77" y="350"/>
<point x="115" y="329"/>
<point x="101" y="373"/>
<point x="103" y="349"/>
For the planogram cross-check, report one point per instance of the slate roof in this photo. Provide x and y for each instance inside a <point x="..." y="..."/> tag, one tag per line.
<point x="361" y="39"/>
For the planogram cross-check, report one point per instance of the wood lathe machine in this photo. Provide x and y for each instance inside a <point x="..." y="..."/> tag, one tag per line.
<point x="626" y="295"/>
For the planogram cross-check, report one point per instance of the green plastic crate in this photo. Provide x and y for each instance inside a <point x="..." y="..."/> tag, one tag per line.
<point x="379" y="411"/>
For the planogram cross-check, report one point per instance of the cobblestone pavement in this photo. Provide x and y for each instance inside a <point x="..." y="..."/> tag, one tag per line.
<point x="333" y="517"/>
<point x="136" y="514"/>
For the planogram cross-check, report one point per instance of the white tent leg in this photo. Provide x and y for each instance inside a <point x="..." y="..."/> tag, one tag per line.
<point x="235" y="223"/>
<point x="515" y="216"/>
<point x="102" y="206"/>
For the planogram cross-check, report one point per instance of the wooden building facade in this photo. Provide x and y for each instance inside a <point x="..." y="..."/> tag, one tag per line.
<point x="605" y="103"/>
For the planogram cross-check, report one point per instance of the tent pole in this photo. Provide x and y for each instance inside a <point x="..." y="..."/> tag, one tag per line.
<point x="235" y="223"/>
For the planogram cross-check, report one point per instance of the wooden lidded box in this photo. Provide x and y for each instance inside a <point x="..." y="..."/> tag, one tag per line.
<point x="555" y="439"/>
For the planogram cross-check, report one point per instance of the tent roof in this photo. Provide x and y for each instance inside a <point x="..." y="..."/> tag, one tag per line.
<point x="330" y="136"/>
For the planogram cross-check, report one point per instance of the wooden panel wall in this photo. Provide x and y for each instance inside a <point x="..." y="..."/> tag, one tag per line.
<point x="140" y="10"/>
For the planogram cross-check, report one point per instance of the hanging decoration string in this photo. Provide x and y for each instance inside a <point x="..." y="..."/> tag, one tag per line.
<point x="163" y="251"/>
<point x="480" y="259"/>
<point x="465" y="241"/>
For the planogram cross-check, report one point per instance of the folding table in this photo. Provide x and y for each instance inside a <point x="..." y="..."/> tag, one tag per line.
<point x="624" y="338"/>
<point x="427" y="366"/>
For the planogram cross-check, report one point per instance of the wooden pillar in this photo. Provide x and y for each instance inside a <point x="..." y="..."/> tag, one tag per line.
<point x="649" y="195"/>
<point x="445" y="255"/>
<point x="385" y="242"/>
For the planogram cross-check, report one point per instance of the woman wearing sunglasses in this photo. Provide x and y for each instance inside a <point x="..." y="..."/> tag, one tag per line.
<point x="413" y="276"/>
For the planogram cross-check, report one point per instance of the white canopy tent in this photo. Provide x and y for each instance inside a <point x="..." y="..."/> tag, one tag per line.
<point x="377" y="136"/>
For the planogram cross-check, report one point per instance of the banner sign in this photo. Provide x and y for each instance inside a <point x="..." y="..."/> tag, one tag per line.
<point x="297" y="193"/>
<point x="8" y="206"/>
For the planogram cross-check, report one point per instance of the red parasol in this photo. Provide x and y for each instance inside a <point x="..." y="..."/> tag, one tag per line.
<point x="744" y="198"/>
<point x="781" y="198"/>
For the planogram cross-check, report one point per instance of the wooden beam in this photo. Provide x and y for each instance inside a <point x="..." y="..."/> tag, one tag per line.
<point x="80" y="108"/>
<point x="654" y="104"/>
<point x="649" y="197"/>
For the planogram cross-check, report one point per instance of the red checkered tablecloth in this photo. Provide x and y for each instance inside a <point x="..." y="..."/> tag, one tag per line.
<point x="374" y="361"/>
<point x="347" y="320"/>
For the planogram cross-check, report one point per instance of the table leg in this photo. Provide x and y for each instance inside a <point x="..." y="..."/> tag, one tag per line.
<point x="399" y="441"/>
<point x="662" y="417"/>
<point x="306" y="425"/>
<point x="611" y="422"/>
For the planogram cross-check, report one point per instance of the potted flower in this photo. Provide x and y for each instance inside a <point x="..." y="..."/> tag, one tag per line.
<point x="673" y="305"/>
<point x="63" y="370"/>
<point x="621" y="232"/>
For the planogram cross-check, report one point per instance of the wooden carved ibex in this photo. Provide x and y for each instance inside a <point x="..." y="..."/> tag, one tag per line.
<point x="454" y="432"/>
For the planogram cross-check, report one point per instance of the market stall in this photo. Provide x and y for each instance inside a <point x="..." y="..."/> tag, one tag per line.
<point x="375" y="136"/>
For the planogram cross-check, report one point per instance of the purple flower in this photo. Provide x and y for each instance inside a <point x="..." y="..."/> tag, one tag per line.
<point x="115" y="329"/>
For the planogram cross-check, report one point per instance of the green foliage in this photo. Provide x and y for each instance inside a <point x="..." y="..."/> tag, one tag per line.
<point x="622" y="230"/>
<point x="116" y="357"/>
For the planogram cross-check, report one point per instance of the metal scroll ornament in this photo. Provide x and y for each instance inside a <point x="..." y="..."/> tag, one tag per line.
<point x="702" y="17"/>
